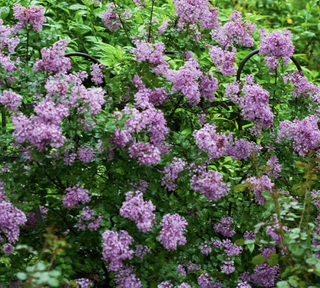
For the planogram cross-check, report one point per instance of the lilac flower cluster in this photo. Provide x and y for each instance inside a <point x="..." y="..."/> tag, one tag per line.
<point x="116" y="248"/>
<point x="141" y="250"/>
<point x="274" y="45"/>
<point x="304" y="133"/>
<point x="265" y="275"/>
<point x="10" y="100"/>
<point x="224" y="227"/>
<point x="171" y="173"/>
<point x="235" y="31"/>
<point x="86" y="154"/>
<point x="2" y="192"/>
<point x="193" y="11"/>
<point x="82" y="283"/>
<point x="33" y="15"/>
<point x="205" y="281"/>
<point x="126" y="278"/>
<point x="152" y="53"/>
<point x="208" y="87"/>
<point x="228" y="266"/>
<point x="75" y="195"/>
<point x="223" y="60"/>
<point x="11" y="219"/>
<point x="139" y="211"/>
<point x="172" y="232"/>
<point x="257" y="185"/>
<point x="207" y="139"/>
<point x="7" y="249"/>
<point x="243" y="284"/>
<point x="210" y="184"/>
<point x="111" y="19"/>
<point x="5" y="39"/>
<point x="165" y="284"/>
<point x="147" y="154"/>
<point x="53" y="60"/>
<point x="275" y="167"/>
<point x="96" y="73"/>
<point x="185" y="80"/>
<point x="241" y="149"/>
<point x="231" y="248"/>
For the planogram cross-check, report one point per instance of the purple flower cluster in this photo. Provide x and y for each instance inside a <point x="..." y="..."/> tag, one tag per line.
<point x="96" y="73"/>
<point x="165" y="284"/>
<point x="34" y="15"/>
<point x="184" y="285"/>
<point x="139" y="211"/>
<point x="53" y="60"/>
<point x="235" y="31"/>
<point x="171" y="173"/>
<point x="231" y="248"/>
<point x="5" y="39"/>
<point x="265" y="275"/>
<point x="141" y="250"/>
<point x="2" y="192"/>
<point x="172" y="232"/>
<point x="146" y="154"/>
<point x="224" y="227"/>
<point x="111" y="19"/>
<point x="304" y="133"/>
<point x="243" y="284"/>
<point x="228" y="267"/>
<point x="241" y="149"/>
<point x="152" y="53"/>
<point x="7" y="249"/>
<point x="126" y="278"/>
<point x="193" y="11"/>
<point x="207" y="139"/>
<point x="75" y="195"/>
<point x="82" y="283"/>
<point x="223" y="60"/>
<point x="86" y="154"/>
<point x="257" y="185"/>
<point x="10" y="100"/>
<point x="120" y="138"/>
<point x="275" y="167"/>
<point x="116" y="248"/>
<point x="210" y="184"/>
<point x="185" y="80"/>
<point x="208" y="87"/>
<point x="274" y="45"/>
<point x="10" y="220"/>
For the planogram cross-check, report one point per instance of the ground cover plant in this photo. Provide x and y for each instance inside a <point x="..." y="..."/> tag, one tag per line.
<point x="159" y="161"/>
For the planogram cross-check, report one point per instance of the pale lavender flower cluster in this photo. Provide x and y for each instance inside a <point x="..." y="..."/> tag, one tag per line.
<point x="205" y="248"/>
<point x="257" y="185"/>
<point x="7" y="249"/>
<point x="7" y="64"/>
<point x="53" y="60"/>
<point x="255" y="105"/>
<point x="142" y="250"/>
<point x="185" y="80"/>
<point x="223" y="60"/>
<point x="224" y="227"/>
<point x="241" y="149"/>
<point x="181" y="270"/>
<point x="243" y="284"/>
<point x="208" y="87"/>
<point x="146" y="154"/>
<point x="86" y="154"/>
<point x="165" y="284"/>
<point x="235" y="31"/>
<point x="116" y="248"/>
<point x="274" y="45"/>
<point x="2" y="192"/>
<point x="210" y="184"/>
<point x="207" y="139"/>
<point x="304" y="133"/>
<point x="111" y="19"/>
<point x="171" y="173"/>
<point x="96" y="73"/>
<point x="172" y="232"/>
<point x="10" y="100"/>
<point x="152" y="53"/>
<point x="249" y="235"/>
<point x="228" y="266"/>
<point x="163" y="27"/>
<point x="231" y="248"/>
<point x="265" y="275"/>
<point x="75" y="195"/>
<point x="82" y="283"/>
<point x="6" y="40"/>
<point x="120" y="138"/>
<point x="193" y="11"/>
<point x="126" y="278"/>
<point x="184" y="285"/>
<point x="33" y="15"/>
<point x="275" y="167"/>
<point x="139" y="211"/>
<point x="11" y="219"/>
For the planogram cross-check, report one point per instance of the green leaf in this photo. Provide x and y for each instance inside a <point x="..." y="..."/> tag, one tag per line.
<point x="259" y="259"/>
<point x="4" y="12"/>
<point x="283" y="284"/>
<point x="22" y="276"/>
<point x="77" y="7"/>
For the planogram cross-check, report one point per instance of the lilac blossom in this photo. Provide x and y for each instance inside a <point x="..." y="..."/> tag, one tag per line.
<point x="249" y="235"/>
<point x="265" y="275"/>
<point x="207" y="139"/>
<point x="126" y="278"/>
<point x="181" y="270"/>
<point x="241" y="149"/>
<point x="139" y="211"/>
<point x="163" y="27"/>
<point x="10" y="100"/>
<point x="243" y="284"/>
<point x="141" y="251"/>
<point x="228" y="267"/>
<point x="165" y="284"/>
<point x="257" y="185"/>
<point x="231" y="248"/>
<point x="171" y="173"/>
<point x="120" y="138"/>
<point x="116" y="248"/>
<point x="275" y="167"/>
<point x="172" y="232"/>
<point x="145" y="153"/>
<point x="95" y="225"/>
<point x="87" y="213"/>
<point x="208" y="87"/>
<point x="5" y="38"/>
<point x="11" y="219"/>
<point x="86" y="154"/>
<point x="33" y="15"/>
<point x="274" y="45"/>
<point x="185" y="80"/>
<point x="75" y="195"/>
<point x="210" y="184"/>
<point x="110" y="18"/>
<point x="184" y="285"/>
<point x="223" y="60"/>
<point x="96" y="73"/>
<point x="224" y="227"/>
<point x="205" y="248"/>
<point x="7" y="64"/>
<point x="7" y="249"/>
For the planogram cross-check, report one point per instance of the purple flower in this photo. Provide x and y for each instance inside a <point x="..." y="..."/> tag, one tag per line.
<point x="231" y="248"/>
<point x="181" y="270"/>
<point x="171" y="173"/>
<point x="75" y="195"/>
<point x="116" y="248"/>
<point x="86" y="154"/>
<point x="275" y="167"/>
<point x="208" y="87"/>
<point x="95" y="225"/>
<point x="166" y="284"/>
<point x="145" y="153"/>
<point x="224" y="227"/>
<point x="205" y="248"/>
<point x="87" y="213"/>
<point x="241" y="149"/>
<point x="257" y="185"/>
<point x="125" y="278"/>
<point x="139" y="211"/>
<point x="10" y="100"/>
<point x="265" y="275"/>
<point x="172" y="232"/>
<point x="96" y="73"/>
<point x="110" y="18"/>
<point x="249" y="235"/>
<point x="142" y="250"/>
<point x="33" y="15"/>
<point x="228" y="267"/>
<point x="7" y="249"/>
<point x="243" y="284"/>
<point x="223" y="60"/>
